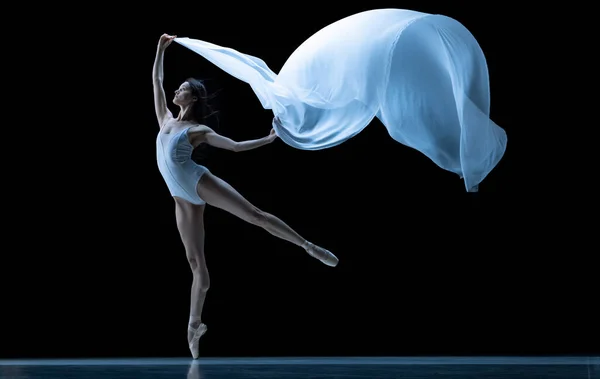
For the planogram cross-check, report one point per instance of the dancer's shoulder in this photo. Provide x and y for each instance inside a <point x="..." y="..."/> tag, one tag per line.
<point x="200" y="129"/>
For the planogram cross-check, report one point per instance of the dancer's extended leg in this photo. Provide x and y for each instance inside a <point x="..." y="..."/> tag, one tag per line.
<point x="220" y="194"/>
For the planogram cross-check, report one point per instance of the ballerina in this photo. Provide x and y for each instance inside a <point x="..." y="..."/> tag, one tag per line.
<point x="193" y="186"/>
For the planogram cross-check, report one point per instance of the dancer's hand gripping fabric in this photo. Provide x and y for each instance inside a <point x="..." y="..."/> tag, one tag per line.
<point x="272" y="135"/>
<point x="165" y="40"/>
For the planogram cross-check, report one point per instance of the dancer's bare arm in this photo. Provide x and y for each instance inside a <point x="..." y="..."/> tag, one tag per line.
<point x="160" y="102"/>
<point x="207" y="135"/>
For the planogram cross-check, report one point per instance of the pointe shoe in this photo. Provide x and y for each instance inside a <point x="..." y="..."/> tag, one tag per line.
<point x="321" y="254"/>
<point x="195" y="342"/>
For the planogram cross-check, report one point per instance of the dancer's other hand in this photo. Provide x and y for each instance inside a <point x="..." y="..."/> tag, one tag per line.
<point x="272" y="135"/>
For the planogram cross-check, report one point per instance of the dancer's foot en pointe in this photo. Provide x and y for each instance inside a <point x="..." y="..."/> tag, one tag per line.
<point x="194" y="334"/>
<point x="321" y="254"/>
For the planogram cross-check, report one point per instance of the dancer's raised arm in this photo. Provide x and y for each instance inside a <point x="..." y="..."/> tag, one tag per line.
<point x="160" y="101"/>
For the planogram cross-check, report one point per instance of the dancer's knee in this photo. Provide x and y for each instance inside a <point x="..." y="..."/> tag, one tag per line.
<point x="200" y="274"/>
<point x="258" y="217"/>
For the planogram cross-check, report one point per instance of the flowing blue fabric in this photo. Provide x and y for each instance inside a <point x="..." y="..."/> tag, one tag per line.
<point x="423" y="76"/>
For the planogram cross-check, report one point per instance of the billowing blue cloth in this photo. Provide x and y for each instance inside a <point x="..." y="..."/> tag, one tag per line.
<point x="424" y="76"/>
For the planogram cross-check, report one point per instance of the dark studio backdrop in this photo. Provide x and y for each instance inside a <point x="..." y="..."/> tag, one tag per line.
<point x="425" y="268"/>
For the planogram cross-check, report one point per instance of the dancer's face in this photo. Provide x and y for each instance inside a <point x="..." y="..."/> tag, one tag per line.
<point x="183" y="95"/>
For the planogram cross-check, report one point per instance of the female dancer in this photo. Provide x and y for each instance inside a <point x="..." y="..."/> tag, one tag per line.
<point x="193" y="186"/>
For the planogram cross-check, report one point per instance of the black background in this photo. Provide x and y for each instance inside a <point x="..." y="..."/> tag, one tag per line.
<point x="98" y="269"/>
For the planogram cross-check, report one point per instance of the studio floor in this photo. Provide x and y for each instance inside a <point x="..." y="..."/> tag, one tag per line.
<point x="307" y="368"/>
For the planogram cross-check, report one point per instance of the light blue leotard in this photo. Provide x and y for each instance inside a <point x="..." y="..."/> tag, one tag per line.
<point x="180" y="172"/>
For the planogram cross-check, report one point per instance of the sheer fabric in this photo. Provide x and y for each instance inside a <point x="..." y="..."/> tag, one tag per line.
<point x="423" y="76"/>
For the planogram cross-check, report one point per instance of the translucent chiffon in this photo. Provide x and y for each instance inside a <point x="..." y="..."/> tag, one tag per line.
<point x="423" y="76"/>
